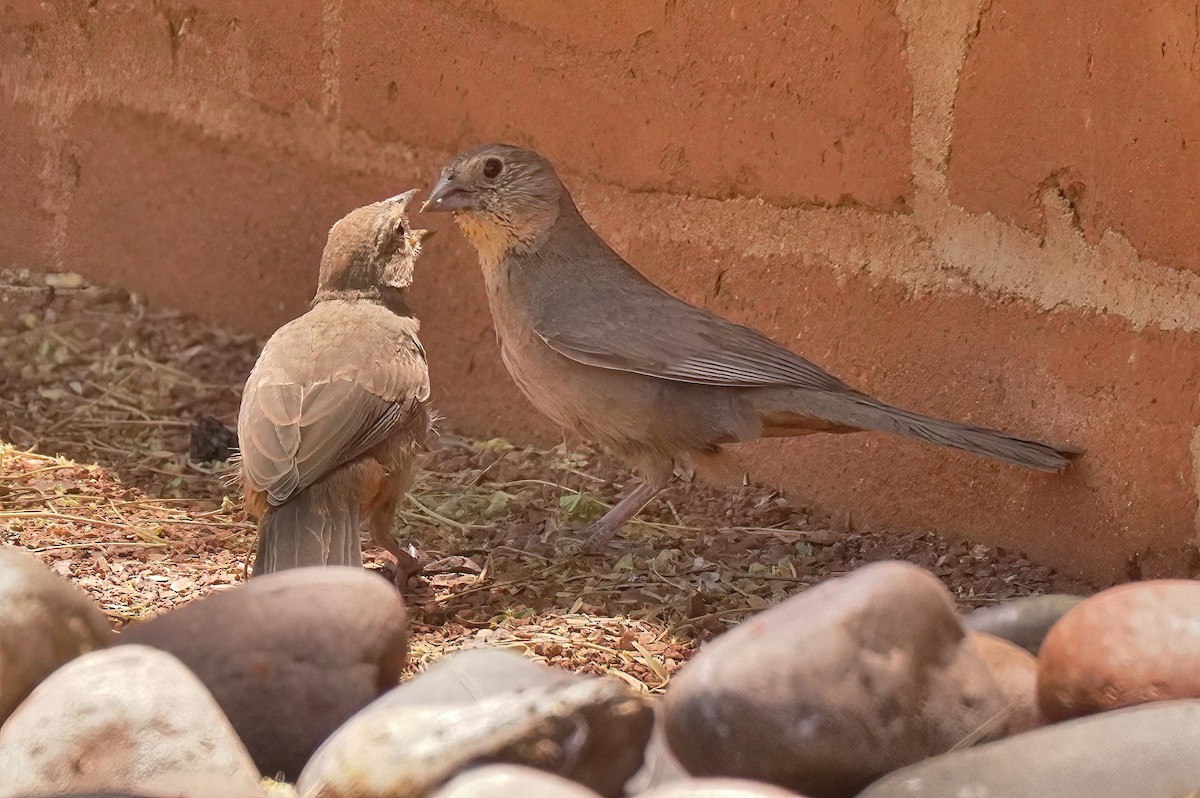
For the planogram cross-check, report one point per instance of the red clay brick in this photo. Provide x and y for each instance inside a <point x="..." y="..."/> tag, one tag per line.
<point x="1130" y="398"/>
<point x="234" y="234"/>
<point x="274" y="49"/>
<point x="226" y="231"/>
<point x="693" y="102"/>
<point x="24" y="197"/>
<point x="797" y="104"/>
<point x="235" y="51"/>
<point x="1102" y="99"/>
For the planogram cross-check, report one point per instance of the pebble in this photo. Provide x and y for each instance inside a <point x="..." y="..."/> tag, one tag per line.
<point x="511" y="781"/>
<point x="459" y="712"/>
<point x="1150" y="751"/>
<point x="1024" y="621"/>
<point x="125" y="719"/>
<point x="834" y="687"/>
<point x="44" y="622"/>
<point x="719" y="788"/>
<point x="289" y="656"/>
<point x="1015" y="672"/>
<point x="1126" y="645"/>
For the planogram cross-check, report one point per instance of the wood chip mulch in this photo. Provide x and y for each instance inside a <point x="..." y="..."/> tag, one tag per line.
<point x="104" y="402"/>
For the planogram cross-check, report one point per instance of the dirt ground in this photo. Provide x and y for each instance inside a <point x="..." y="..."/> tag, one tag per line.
<point x="103" y="473"/>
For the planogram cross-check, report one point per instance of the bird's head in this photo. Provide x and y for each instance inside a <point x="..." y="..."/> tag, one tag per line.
<point x="501" y="196"/>
<point x="372" y="247"/>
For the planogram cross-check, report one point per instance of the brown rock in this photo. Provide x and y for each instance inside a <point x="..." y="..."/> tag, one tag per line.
<point x="1024" y="621"/>
<point x="413" y="739"/>
<point x="834" y="687"/>
<point x="1149" y="752"/>
<point x="289" y="656"/>
<point x="127" y="719"/>
<point x="511" y="781"/>
<point x="719" y="788"/>
<point x="44" y="622"/>
<point x="1127" y="645"/>
<point x="1015" y="672"/>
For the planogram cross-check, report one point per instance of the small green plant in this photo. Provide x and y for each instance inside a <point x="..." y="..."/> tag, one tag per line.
<point x="581" y="506"/>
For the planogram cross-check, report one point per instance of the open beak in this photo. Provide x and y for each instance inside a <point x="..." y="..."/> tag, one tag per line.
<point x="418" y="237"/>
<point x="403" y="199"/>
<point x="450" y="194"/>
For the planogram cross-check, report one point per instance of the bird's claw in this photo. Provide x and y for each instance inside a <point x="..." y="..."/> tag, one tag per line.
<point x="404" y="566"/>
<point x="593" y="539"/>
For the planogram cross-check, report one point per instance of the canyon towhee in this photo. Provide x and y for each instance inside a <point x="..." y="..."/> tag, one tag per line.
<point x="335" y="411"/>
<point x="601" y="350"/>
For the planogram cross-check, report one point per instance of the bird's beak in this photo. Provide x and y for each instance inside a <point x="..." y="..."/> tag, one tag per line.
<point x="403" y="199"/>
<point x="419" y="237"/>
<point x="451" y="194"/>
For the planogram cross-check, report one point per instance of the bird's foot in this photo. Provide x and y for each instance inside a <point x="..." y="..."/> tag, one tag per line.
<point x="597" y="535"/>
<point x="452" y="564"/>
<point x="404" y="566"/>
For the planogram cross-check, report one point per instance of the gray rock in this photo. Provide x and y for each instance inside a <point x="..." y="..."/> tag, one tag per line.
<point x="289" y="656"/>
<point x="465" y="677"/>
<point x="458" y="714"/>
<point x="511" y="781"/>
<point x="1148" y="751"/>
<point x="44" y="622"/>
<point x="835" y="686"/>
<point x="1024" y="621"/>
<point x="127" y="719"/>
<point x="719" y="788"/>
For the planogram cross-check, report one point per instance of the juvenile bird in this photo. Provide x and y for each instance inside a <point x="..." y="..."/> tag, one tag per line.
<point x="336" y="409"/>
<point x="599" y="349"/>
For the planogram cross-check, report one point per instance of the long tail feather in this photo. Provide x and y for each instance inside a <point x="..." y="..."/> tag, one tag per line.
<point x="977" y="440"/>
<point x="305" y="532"/>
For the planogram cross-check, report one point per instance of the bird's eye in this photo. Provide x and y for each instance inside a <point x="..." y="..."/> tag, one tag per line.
<point x="492" y="167"/>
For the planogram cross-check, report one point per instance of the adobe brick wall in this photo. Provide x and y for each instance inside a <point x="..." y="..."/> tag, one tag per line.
<point x="984" y="211"/>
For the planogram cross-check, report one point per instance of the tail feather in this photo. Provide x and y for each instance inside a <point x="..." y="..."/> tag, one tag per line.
<point x="306" y="531"/>
<point x="800" y="412"/>
<point x="977" y="440"/>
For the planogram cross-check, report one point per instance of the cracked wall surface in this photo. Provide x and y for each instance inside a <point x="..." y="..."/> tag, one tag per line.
<point x="980" y="210"/>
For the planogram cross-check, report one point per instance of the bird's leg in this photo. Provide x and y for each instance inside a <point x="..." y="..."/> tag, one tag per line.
<point x="603" y="530"/>
<point x="407" y="566"/>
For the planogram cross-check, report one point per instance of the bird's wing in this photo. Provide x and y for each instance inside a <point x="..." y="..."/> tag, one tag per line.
<point x="304" y="414"/>
<point x="644" y="330"/>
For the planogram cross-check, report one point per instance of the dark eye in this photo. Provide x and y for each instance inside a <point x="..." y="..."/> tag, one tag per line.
<point x="492" y="167"/>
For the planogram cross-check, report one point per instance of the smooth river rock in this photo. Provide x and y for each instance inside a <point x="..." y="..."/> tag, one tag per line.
<point x="1024" y="621"/>
<point x="127" y="719"/>
<point x="1150" y="751"/>
<point x="289" y="656"/>
<point x="835" y="686"/>
<point x="484" y="707"/>
<point x="44" y="622"/>
<point x="1126" y="645"/>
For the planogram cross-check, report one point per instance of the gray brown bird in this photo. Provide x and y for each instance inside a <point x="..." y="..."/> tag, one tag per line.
<point x="336" y="409"/>
<point x="601" y="350"/>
